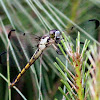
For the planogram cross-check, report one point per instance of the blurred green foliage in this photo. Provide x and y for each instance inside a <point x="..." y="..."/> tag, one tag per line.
<point x="37" y="17"/>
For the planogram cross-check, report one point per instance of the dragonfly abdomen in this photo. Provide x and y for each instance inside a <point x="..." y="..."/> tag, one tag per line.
<point x="32" y="60"/>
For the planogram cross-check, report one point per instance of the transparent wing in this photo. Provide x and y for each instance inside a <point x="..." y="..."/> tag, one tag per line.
<point x="19" y="47"/>
<point x="90" y="26"/>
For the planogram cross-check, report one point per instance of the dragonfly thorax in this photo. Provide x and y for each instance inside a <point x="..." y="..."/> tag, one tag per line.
<point x="43" y="42"/>
<point x="53" y="37"/>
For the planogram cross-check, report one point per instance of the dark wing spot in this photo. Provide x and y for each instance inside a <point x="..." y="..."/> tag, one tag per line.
<point x="96" y="22"/>
<point x="72" y="28"/>
<point x="24" y="34"/>
<point x="9" y="34"/>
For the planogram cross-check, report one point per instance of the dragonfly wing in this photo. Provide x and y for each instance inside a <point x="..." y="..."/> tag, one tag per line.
<point x="18" y="42"/>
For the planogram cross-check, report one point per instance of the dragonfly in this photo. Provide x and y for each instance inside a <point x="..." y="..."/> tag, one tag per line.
<point x="53" y="38"/>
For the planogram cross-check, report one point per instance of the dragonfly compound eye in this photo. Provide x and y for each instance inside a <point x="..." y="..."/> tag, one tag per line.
<point x="52" y="33"/>
<point x="57" y="36"/>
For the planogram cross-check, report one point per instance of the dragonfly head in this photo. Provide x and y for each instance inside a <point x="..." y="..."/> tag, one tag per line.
<point x="56" y="35"/>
